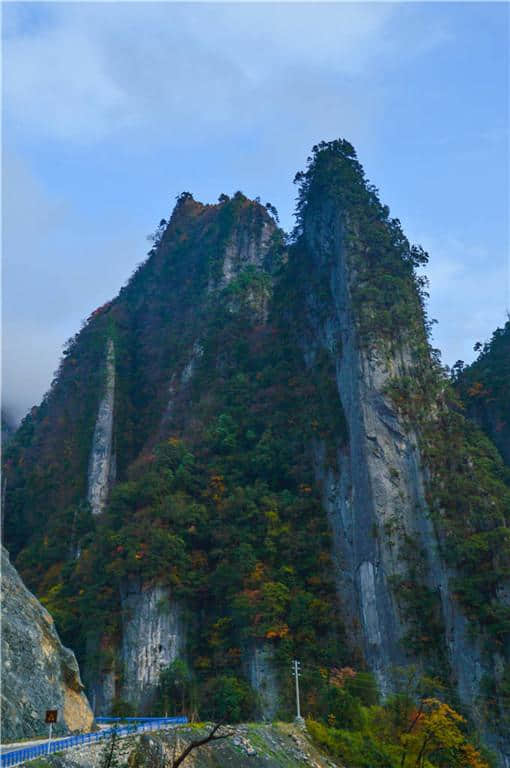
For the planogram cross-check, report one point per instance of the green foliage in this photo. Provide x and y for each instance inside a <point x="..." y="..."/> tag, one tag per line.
<point x="177" y="691"/>
<point x="109" y="757"/>
<point x="421" y="608"/>
<point x="217" y="499"/>
<point x="228" y="698"/>
<point x="402" y="733"/>
<point x="387" y="293"/>
<point x="222" y="507"/>
<point x="484" y="386"/>
<point x="121" y="708"/>
<point x="468" y="495"/>
<point x="357" y="748"/>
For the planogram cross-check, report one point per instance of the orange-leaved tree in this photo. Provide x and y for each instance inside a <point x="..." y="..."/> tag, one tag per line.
<point x="435" y="732"/>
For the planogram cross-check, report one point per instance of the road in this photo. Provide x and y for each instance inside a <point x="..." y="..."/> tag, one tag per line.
<point x="35" y="742"/>
<point x="21" y="745"/>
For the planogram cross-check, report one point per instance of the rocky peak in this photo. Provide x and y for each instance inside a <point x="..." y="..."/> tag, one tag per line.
<point x="246" y="408"/>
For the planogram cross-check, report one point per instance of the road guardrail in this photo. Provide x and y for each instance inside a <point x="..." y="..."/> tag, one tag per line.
<point x="137" y="725"/>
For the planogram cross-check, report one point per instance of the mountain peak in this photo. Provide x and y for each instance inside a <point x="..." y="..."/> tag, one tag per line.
<point x="280" y="473"/>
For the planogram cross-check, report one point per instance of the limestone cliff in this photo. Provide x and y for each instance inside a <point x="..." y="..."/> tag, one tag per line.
<point x="151" y="633"/>
<point x="38" y="673"/>
<point x="380" y="490"/>
<point x="102" y="460"/>
<point x="376" y="496"/>
<point x="152" y="638"/>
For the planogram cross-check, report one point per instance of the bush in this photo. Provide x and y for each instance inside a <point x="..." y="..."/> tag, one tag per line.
<point x="228" y="698"/>
<point x="176" y="688"/>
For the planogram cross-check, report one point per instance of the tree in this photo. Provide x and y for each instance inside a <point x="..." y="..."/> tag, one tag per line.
<point x="435" y="729"/>
<point x="183" y="197"/>
<point x="175" y="686"/>
<point x="109" y="757"/>
<point x="229" y="698"/>
<point x="213" y="735"/>
<point x="156" y="236"/>
<point x="272" y="210"/>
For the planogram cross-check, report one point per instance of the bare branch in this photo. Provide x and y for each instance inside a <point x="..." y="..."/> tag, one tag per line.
<point x="211" y="736"/>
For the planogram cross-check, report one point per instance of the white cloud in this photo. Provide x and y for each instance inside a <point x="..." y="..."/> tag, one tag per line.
<point x="57" y="82"/>
<point x="256" y="84"/>
<point x="57" y="267"/>
<point x="92" y="70"/>
<point x="462" y="278"/>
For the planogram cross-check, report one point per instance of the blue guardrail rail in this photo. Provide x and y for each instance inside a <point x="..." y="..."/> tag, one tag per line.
<point x="135" y="725"/>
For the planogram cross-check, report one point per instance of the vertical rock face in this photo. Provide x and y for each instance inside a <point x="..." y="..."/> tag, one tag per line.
<point x="152" y="638"/>
<point x="263" y="678"/>
<point x="244" y="250"/>
<point x="102" y="465"/>
<point x="375" y="497"/>
<point x="38" y="673"/>
<point x="377" y="485"/>
<point x="101" y="687"/>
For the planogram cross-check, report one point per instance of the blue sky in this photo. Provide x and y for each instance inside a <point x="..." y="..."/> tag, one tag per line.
<point x="112" y="109"/>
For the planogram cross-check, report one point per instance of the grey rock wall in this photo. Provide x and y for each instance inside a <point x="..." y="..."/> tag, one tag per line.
<point x="101" y="473"/>
<point x="246" y="249"/>
<point x="263" y="677"/>
<point x="38" y="673"/>
<point x="373" y="488"/>
<point x="375" y="495"/>
<point x="152" y="638"/>
<point x="102" y="689"/>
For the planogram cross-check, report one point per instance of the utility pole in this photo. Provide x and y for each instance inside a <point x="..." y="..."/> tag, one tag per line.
<point x="296" y="671"/>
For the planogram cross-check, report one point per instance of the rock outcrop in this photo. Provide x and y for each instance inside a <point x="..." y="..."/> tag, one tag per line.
<point x="38" y="673"/>
<point x="152" y="638"/>
<point x="256" y="745"/>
